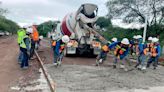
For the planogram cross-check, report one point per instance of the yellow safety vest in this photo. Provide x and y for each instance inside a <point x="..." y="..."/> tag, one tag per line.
<point x="22" y="44"/>
<point x="21" y="33"/>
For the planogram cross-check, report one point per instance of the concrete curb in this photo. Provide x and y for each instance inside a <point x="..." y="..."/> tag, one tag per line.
<point x="51" y="83"/>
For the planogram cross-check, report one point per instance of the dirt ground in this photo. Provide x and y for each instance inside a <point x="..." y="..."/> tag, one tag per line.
<point x="12" y="77"/>
<point x="79" y="74"/>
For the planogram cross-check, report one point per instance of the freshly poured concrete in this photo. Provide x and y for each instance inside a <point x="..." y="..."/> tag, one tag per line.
<point x="79" y="78"/>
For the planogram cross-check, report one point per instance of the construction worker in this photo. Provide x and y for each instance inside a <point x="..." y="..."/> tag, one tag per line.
<point x="20" y="34"/>
<point x="40" y="38"/>
<point x="142" y="52"/>
<point x="155" y="53"/>
<point x="58" y="48"/>
<point x="121" y="52"/>
<point x="34" y="41"/>
<point x="25" y="46"/>
<point x="133" y="45"/>
<point x="103" y="54"/>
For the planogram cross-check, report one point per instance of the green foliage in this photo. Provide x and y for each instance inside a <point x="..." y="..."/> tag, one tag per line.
<point x="8" y="25"/>
<point x="46" y="27"/>
<point x="129" y="33"/>
<point x="120" y="33"/>
<point x="103" y="22"/>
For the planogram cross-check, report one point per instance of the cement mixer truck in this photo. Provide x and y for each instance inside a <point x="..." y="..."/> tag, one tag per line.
<point x="79" y="26"/>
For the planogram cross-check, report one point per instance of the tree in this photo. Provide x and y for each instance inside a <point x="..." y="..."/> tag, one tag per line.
<point x="137" y="11"/>
<point x="103" y="22"/>
<point x="6" y="24"/>
<point x="46" y="27"/>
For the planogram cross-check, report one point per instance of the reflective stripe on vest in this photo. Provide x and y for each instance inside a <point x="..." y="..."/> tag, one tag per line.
<point x="22" y="44"/>
<point x="119" y="50"/>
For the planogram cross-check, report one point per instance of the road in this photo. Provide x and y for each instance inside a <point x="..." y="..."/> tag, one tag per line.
<point x="79" y="74"/>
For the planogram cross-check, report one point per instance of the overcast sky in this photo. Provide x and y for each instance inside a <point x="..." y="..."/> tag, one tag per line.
<point x="30" y="11"/>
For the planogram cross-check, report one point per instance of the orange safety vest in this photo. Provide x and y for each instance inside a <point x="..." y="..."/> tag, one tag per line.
<point x="35" y="34"/>
<point x="145" y="51"/>
<point x="62" y="46"/>
<point x="153" y="51"/>
<point x="105" y="48"/>
<point x="53" y="43"/>
<point x="119" y="50"/>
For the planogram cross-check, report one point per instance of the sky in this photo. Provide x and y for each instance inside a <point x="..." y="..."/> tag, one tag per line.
<point x="27" y="12"/>
<point x="37" y="11"/>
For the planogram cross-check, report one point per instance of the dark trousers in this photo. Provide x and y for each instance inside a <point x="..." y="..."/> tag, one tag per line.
<point x="24" y="62"/>
<point x="153" y="60"/>
<point x="32" y="49"/>
<point x="102" y="55"/>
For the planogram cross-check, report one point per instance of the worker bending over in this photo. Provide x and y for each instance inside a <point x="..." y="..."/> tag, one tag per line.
<point x="121" y="51"/>
<point x="155" y="53"/>
<point x="58" y="49"/>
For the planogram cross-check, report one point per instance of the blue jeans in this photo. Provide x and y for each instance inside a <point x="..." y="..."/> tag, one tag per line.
<point x="141" y="60"/>
<point x="20" y="57"/>
<point x="25" y="59"/>
<point x="55" y="55"/>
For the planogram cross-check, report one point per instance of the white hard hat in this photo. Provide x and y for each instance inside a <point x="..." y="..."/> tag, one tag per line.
<point x="139" y="36"/>
<point x="150" y="38"/>
<point x="25" y="26"/>
<point x="135" y="37"/>
<point x="114" y="39"/>
<point x="29" y="30"/>
<point x="65" y="39"/>
<point x="155" y="39"/>
<point x="41" y="37"/>
<point x="125" y="41"/>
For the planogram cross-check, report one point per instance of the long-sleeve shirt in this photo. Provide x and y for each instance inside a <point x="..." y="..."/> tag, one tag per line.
<point x="125" y="53"/>
<point x="158" y="50"/>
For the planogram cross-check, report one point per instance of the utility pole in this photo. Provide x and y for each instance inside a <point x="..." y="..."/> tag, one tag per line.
<point x="145" y="29"/>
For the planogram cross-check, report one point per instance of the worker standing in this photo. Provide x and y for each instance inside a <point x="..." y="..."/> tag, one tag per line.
<point x="58" y="48"/>
<point x="142" y="52"/>
<point x="20" y="34"/>
<point x="155" y="53"/>
<point x="25" y="46"/>
<point x="34" y="41"/>
<point x="121" y="52"/>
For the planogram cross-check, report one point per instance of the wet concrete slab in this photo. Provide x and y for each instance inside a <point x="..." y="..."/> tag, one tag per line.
<point x="83" y="78"/>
